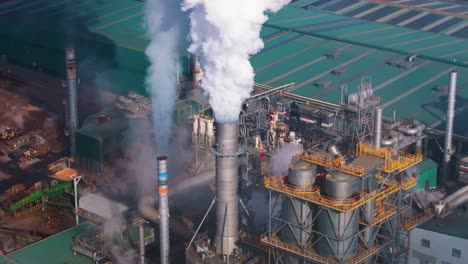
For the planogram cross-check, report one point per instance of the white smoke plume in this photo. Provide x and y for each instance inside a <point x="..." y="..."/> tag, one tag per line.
<point x="224" y="35"/>
<point x="282" y="157"/>
<point x="165" y="28"/>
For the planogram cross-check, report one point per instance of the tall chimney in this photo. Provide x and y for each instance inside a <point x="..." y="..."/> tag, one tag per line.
<point x="72" y="97"/>
<point x="163" y="209"/>
<point x="449" y="127"/>
<point x="227" y="164"/>
<point x="378" y="127"/>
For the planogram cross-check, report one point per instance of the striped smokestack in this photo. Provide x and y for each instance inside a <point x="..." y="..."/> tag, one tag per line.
<point x="163" y="209"/>
<point x="72" y="97"/>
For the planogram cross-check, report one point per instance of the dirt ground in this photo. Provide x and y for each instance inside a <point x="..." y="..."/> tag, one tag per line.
<point x="37" y="221"/>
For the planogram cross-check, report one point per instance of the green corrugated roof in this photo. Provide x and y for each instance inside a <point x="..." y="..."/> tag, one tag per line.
<point x="296" y="42"/>
<point x="55" y="249"/>
<point x="453" y="225"/>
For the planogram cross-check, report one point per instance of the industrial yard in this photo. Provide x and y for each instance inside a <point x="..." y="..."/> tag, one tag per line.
<point x="155" y="132"/>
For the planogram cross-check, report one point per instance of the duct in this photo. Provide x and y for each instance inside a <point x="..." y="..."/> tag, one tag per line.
<point x="227" y="165"/>
<point x="378" y="127"/>
<point x="163" y="209"/>
<point x="388" y="141"/>
<point x="333" y="149"/>
<point x="413" y="129"/>
<point x="449" y="127"/>
<point x="452" y="201"/>
<point x="72" y="97"/>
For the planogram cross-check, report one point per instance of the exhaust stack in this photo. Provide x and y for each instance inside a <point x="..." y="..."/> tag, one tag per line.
<point x="163" y="209"/>
<point x="378" y="127"/>
<point x="449" y="127"/>
<point x="72" y="97"/>
<point x="227" y="164"/>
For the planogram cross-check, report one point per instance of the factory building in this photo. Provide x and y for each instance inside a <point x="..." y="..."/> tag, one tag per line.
<point x="369" y="96"/>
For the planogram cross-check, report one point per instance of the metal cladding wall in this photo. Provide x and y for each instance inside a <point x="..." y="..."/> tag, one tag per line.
<point x="427" y="171"/>
<point x="100" y="61"/>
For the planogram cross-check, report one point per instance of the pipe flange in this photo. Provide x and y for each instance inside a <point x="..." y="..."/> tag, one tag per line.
<point x="236" y="153"/>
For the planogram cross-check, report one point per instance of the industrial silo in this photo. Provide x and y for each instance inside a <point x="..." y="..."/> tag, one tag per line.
<point x="298" y="213"/>
<point x="339" y="229"/>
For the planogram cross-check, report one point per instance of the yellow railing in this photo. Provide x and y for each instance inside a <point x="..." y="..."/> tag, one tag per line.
<point x="317" y="159"/>
<point x="408" y="183"/>
<point x="411" y="223"/>
<point x="313" y="195"/>
<point x="328" y="162"/>
<point x="391" y="163"/>
<point x="312" y="255"/>
<point x="386" y="191"/>
<point x="384" y="211"/>
<point x="351" y="169"/>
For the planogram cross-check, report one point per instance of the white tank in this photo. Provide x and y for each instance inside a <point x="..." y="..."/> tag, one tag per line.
<point x="360" y="97"/>
<point x="209" y="128"/>
<point x="195" y="124"/>
<point x="201" y="127"/>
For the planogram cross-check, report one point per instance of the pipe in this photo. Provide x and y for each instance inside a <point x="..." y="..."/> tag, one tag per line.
<point x="452" y="201"/>
<point x="163" y="209"/>
<point x="411" y="130"/>
<point x="378" y="127"/>
<point x="72" y="97"/>
<point x="75" y="195"/>
<point x="449" y="127"/>
<point x="227" y="164"/>
<point x="142" y="243"/>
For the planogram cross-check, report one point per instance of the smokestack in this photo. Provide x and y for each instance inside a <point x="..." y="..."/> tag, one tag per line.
<point x="141" y="229"/>
<point x="72" y="97"/>
<point x="378" y="127"/>
<point x="227" y="164"/>
<point x="449" y="127"/>
<point x="163" y="209"/>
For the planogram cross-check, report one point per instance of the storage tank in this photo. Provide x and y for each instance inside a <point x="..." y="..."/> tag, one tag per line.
<point x="340" y="228"/>
<point x="296" y="212"/>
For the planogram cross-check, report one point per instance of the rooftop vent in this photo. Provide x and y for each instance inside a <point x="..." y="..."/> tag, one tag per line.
<point x="339" y="70"/>
<point x="440" y="88"/>
<point x="323" y="83"/>
<point x="405" y="64"/>
<point x="333" y="54"/>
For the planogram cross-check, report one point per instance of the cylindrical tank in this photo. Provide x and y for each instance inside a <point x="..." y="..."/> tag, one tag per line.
<point x="340" y="228"/>
<point x="360" y="97"/>
<point x="201" y="127"/>
<point x="195" y="124"/>
<point x="340" y="185"/>
<point x="298" y="213"/>
<point x="302" y="173"/>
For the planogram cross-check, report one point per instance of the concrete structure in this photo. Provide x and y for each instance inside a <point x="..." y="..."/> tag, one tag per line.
<point x="440" y="241"/>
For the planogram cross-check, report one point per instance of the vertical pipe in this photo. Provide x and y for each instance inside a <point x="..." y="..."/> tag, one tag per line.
<point x="163" y="209"/>
<point x="72" y="97"/>
<point x="378" y="127"/>
<point x="449" y="126"/>
<point x="75" y="194"/>
<point x="142" y="243"/>
<point x="227" y="165"/>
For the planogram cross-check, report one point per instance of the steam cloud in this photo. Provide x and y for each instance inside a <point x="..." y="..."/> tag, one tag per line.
<point x="165" y="28"/>
<point x="224" y="35"/>
<point x="281" y="158"/>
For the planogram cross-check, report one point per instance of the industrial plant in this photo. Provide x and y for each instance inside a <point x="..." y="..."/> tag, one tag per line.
<point x="234" y="132"/>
